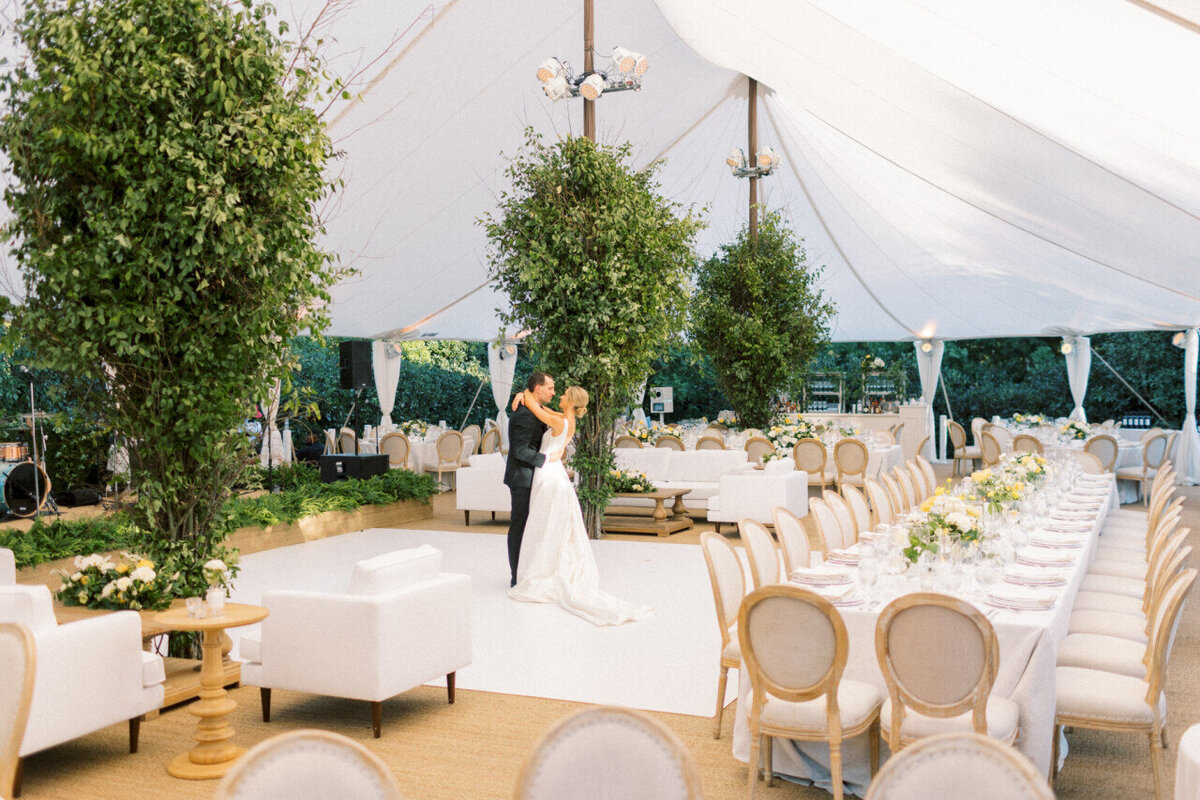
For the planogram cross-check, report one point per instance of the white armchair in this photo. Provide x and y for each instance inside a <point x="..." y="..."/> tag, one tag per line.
<point x="752" y="493"/>
<point x="90" y="674"/>
<point x="480" y="486"/>
<point x="8" y="567"/>
<point x="401" y="623"/>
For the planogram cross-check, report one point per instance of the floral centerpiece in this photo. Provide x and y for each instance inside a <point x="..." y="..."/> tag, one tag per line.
<point x="947" y="518"/>
<point x="996" y="487"/>
<point x="414" y="428"/>
<point x="629" y="481"/>
<point x="730" y="420"/>
<point x="116" y="582"/>
<point x="848" y="432"/>
<point x="1076" y="429"/>
<point x="785" y="435"/>
<point x="872" y="363"/>
<point x="1028" y="420"/>
<point x="1028" y="467"/>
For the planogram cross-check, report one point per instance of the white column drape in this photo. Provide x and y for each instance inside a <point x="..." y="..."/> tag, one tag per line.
<point x="639" y="401"/>
<point x="929" y="367"/>
<point x="1079" y="364"/>
<point x="385" y="363"/>
<point x="502" y="365"/>
<point x="1187" y="455"/>
<point x="272" y="444"/>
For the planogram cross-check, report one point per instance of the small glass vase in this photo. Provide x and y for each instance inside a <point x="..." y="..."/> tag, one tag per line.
<point x="216" y="601"/>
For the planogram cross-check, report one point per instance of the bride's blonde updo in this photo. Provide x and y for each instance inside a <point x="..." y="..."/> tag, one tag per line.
<point x="577" y="396"/>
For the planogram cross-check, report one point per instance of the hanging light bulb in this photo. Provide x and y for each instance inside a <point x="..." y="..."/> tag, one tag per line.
<point x="736" y="160"/>
<point x="626" y="61"/>
<point x="556" y="88"/>
<point x="551" y="68"/>
<point x="1066" y="347"/>
<point x="926" y="346"/>
<point x="1179" y="340"/>
<point x="591" y="87"/>
<point x="767" y="160"/>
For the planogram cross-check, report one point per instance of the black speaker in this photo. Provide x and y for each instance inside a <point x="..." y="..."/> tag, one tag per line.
<point x="355" y="358"/>
<point x="341" y="466"/>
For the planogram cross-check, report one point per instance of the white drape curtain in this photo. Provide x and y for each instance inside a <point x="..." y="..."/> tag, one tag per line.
<point x="639" y="401"/>
<point x="1187" y="456"/>
<point x="929" y="367"/>
<point x="272" y="445"/>
<point x="1079" y="364"/>
<point x="502" y="364"/>
<point x="385" y="362"/>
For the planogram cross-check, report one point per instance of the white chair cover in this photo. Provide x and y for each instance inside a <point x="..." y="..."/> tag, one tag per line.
<point x="386" y="359"/>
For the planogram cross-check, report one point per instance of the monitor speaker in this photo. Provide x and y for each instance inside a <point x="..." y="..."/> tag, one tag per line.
<point x="355" y="356"/>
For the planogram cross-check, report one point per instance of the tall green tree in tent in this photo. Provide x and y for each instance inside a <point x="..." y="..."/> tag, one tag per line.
<point x="165" y="168"/>
<point x="596" y="265"/>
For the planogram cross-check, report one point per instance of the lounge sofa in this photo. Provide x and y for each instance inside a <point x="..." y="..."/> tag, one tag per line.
<point x="697" y="470"/>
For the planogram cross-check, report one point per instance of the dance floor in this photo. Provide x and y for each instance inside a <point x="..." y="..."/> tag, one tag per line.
<point x="541" y="650"/>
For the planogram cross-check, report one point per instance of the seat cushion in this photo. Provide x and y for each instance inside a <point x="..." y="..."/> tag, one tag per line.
<point x="1107" y="653"/>
<point x="1003" y="717"/>
<point x="1104" y="696"/>
<point x="154" y="671"/>
<point x="250" y="648"/>
<point x="1134" y="474"/>
<point x="1103" y="601"/>
<point x="1135" y="570"/>
<point x="732" y="651"/>
<point x="1113" y="584"/>
<point x="1109" y="623"/>
<point x="1120" y="554"/>
<point x="968" y="452"/>
<point x="399" y="568"/>
<point x="857" y="701"/>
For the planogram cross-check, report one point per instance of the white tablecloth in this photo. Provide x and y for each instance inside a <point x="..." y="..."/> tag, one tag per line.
<point x="1028" y="652"/>
<point x="422" y="453"/>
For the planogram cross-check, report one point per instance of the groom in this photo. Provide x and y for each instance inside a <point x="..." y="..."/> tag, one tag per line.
<point x="524" y="439"/>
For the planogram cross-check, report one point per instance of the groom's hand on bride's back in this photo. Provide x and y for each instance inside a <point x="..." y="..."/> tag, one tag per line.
<point x="518" y="400"/>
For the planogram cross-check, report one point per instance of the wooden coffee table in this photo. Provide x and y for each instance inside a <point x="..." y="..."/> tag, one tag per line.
<point x="214" y="752"/>
<point x="661" y="522"/>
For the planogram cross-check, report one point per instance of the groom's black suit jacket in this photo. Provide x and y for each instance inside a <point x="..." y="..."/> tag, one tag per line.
<point x="524" y="439"/>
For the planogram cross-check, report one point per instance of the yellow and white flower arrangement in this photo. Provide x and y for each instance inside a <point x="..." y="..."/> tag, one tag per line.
<point x="629" y="481"/>
<point x="116" y="582"/>
<point x="1076" y="429"/>
<point x="948" y="517"/>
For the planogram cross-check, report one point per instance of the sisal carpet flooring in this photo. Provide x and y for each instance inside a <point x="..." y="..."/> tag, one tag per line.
<point x="474" y="748"/>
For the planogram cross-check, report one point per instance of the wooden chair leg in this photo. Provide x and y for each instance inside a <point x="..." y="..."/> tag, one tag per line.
<point x="1156" y="763"/>
<point x="1054" y="756"/>
<point x="467" y="519"/>
<point x="450" y="687"/>
<point x="493" y="516"/>
<point x="135" y="727"/>
<point x="18" y="776"/>
<point x="768" y="760"/>
<point x="264" y="695"/>
<point x="755" y="758"/>
<point x="722" y="680"/>
<point x="835" y="768"/>
<point x="377" y="718"/>
<point x="875" y="733"/>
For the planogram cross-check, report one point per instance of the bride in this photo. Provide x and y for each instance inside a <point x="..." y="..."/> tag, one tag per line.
<point x="556" y="563"/>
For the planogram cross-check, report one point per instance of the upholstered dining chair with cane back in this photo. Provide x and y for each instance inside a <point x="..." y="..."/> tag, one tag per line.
<point x="810" y="456"/>
<point x="625" y="441"/>
<point x="795" y="646"/>
<point x="827" y="530"/>
<point x="670" y="442"/>
<point x="757" y="448"/>
<point x="472" y="438"/>
<point x="346" y="440"/>
<point x="607" y="752"/>
<point x="947" y="764"/>
<point x="729" y="587"/>
<point x="958" y="440"/>
<point x="1024" y="443"/>
<point x="491" y="441"/>
<point x="396" y="447"/>
<point x="939" y="656"/>
<point x="760" y="552"/>
<point x="882" y="510"/>
<point x="794" y="545"/>
<point x="1105" y="448"/>
<point x="851" y="457"/>
<point x="1154" y="451"/>
<point x="710" y="443"/>
<point x="449" y="454"/>
<point x="990" y="448"/>
<point x="859" y="508"/>
<point x="1088" y="462"/>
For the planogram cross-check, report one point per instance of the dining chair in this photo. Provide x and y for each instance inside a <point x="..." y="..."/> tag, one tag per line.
<point x="1149" y="434"/>
<point x="921" y="447"/>
<point x="858" y="507"/>
<point x="881" y="504"/>
<point x="945" y="765"/>
<point x="850" y="456"/>
<point x="1105" y="448"/>
<point x="939" y="656"/>
<point x="346" y="440"/>
<point x="917" y="477"/>
<point x="958" y="440"/>
<point x="331" y="444"/>
<point x="899" y="506"/>
<point x="396" y="447"/>
<point x="845" y="517"/>
<point x="491" y="441"/>
<point x="757" y="447"/>
<point x="1088" y="462"/>
<point x="760" y="552"/>
<point x="606" y="752"/>
<point x="793" y="540"/>
<point x="710" y="443"/>
<point x="904" y="480"/>
<point x="1108" y="701"/>
<point x="729" y="587"/>
<point x="18" y="665"/>
<point x="886" y="437"/>
<point x="927" y="471"/>
<point x="828" y="531"/>
<point x="308" y="765"/>
<point x="1154" y="450"/>
<point x="670" y="442"/>
<point x="474" y="435"/>
<point x="977" y="424"/>
<point x="897" y="431"/>
<point x="794" y="645"/>
<point x="1024" y="443"/>
<point x="715" y="429"/>
<point x="810" y="455"/>
<point x="625" y="441"/>
<point x="449" y="454"/>
<point x="989" y="447"/>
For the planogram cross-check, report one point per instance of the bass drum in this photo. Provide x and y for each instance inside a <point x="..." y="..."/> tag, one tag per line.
<point x="18" y="490"/>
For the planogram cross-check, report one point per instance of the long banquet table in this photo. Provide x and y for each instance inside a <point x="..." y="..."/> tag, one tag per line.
<point x="1028" y="651"/>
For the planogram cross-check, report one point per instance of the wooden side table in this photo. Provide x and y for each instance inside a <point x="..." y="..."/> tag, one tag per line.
<point x="661" y="522"/>
<point x="214" y="752"/>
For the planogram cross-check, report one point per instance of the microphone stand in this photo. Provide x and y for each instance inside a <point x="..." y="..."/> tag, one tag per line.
<point x="353" y="406"/>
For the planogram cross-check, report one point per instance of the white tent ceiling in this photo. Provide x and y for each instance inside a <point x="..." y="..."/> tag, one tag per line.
<point x="993" y="168"/>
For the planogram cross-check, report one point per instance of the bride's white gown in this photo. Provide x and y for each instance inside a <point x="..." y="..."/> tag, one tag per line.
<point x="556" y="563"/>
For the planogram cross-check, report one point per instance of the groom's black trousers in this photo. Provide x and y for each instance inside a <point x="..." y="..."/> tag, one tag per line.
<point x="516" y="525"/>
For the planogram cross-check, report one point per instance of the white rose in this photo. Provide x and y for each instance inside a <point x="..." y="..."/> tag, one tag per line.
<point x="106" y="566"/>
<point x="216" y="565"/>
<point x="77" y="576"/>
<point x="143" y="574"/>
<point x="108" y="589"/>
<point x="123" y="583"/>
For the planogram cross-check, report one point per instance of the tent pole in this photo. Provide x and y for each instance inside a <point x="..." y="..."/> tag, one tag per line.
<point x="1128" y="386"/>
<point x="589" y="106"/>
<point x="752" y="148"/>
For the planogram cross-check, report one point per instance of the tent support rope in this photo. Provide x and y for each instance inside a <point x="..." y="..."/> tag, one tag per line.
<point x="1129" y="386"/>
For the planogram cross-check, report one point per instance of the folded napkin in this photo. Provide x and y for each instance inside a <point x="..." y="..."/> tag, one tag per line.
<point x="1072" y="514"/>
<point x="839" y="595"/>
<point x="1045" y="557"/>
<point x="1033" y="576"/>
<point x="847" y="556"/>
<point x="1016" y="599"/>
<point x="824" y="575"/>
<point x="1058" y="540"/>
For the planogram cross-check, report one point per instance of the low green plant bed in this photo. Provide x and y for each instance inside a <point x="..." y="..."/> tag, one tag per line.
<point x="302" y="495"/>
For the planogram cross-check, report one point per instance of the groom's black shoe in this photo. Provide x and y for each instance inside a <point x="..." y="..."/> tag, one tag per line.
<point x="513" y="582"/>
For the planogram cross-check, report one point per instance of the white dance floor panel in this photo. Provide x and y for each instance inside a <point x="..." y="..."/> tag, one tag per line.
<point x="667" y="662"/>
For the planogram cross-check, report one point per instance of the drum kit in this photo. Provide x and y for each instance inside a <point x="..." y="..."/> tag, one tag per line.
<point x="24" y="484"/>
